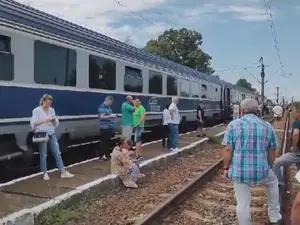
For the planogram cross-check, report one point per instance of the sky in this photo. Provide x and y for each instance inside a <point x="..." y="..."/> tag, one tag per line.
<point x="236" y="33"/>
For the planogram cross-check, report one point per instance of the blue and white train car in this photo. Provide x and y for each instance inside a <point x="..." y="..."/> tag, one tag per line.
<point x="40" y="53"/>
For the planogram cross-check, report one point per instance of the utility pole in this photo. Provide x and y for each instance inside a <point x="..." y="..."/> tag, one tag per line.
<point x="277" y="94"/>
<point x="262" y="75"/>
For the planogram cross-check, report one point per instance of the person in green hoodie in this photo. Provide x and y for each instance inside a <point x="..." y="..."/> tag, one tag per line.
<point x="127" y="117"/>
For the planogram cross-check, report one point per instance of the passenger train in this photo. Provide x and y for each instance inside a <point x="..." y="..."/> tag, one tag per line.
<point x="40" y="53"/>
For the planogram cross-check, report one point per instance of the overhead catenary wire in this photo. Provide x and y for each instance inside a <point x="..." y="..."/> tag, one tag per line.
<point x="168" y="21"/>
<point x="138" y="14"/>
<point x="274" y="36"/>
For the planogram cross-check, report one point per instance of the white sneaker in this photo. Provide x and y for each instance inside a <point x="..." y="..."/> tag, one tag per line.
<point x="66" y="174"/>
<point x="176" y="149"/>
<point x="46" y="176"/>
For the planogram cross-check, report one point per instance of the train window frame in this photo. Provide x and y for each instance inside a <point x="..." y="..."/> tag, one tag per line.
<point x="131" y="77"/>
<point x="183" y="93"/>
<point x="68" y="71"/>
<point x="174" y="90"/>
<point x="108" y="78"/>
<point x="206" y="87"/>
<point x="152" y="75"/>
<point x="196" y="93"/>
<point x="7" y="58"/>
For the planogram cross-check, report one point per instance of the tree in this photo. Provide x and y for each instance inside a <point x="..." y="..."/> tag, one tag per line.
<point x="245" y="84"/>
<point x="182" y="46"/>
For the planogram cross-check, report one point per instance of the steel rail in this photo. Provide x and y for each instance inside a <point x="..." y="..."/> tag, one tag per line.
<point x="163" y="209"/>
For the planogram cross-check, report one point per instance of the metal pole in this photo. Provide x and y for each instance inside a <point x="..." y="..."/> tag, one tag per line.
<point x="262" y="75"/>
<point x="277" y="94"/>
<point x="262" y="83"/>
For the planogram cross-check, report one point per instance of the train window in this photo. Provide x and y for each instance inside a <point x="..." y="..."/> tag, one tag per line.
<point x="6" y="59"/>
<point x="5" y="44"/>
<point x="155" y="82"/>
<point x="54" y="64"/>
<point x="171" y="85"/>
<point x="133" y="80"/>
<point x="102" y="73"/>
<point x="216" y="89"/>
<point x="195" y="89"/>
<point x="184" y="88"/>
<point x="203" y="91"/>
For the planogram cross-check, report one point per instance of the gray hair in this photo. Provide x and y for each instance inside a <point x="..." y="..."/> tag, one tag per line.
<point x="109" y="98"/>
<point x="249" y="105"/>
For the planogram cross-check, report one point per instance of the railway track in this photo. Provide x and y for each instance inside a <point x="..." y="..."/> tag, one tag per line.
<point x="209" y="198"/>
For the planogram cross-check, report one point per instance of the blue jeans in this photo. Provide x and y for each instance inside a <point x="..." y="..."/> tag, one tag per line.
<point x="173" y="135"/>
<point x="54" y="148"/>
<point x="285" y="160"/>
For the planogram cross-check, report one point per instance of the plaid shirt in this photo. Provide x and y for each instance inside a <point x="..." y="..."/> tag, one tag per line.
<point x="250" y="138"/>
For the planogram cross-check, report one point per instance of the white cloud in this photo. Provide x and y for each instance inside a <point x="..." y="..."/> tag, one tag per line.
<point x="246" y="13"/>
<point x="100" y="15"/>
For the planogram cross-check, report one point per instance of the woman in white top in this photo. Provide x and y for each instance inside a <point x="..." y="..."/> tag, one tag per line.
<point x="165" y="128"/>
<point x="43" y="123"/>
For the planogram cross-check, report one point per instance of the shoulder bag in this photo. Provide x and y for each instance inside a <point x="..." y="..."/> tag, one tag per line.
<point x="40" y="137"/>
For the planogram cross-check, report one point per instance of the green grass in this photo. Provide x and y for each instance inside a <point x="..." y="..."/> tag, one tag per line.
<point x="60" y="216"/>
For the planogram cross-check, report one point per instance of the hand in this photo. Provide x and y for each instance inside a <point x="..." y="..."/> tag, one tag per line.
<point x="53" y="120"/>
<point x="277" y="153"/>
<point x="113" y="116"/>
<point x="48" y="121"/>
<point x="225" y="173"/>
<point x="293" y="149"/>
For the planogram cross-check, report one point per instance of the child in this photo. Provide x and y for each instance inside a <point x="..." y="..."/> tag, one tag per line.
<point x="135" y="171"/>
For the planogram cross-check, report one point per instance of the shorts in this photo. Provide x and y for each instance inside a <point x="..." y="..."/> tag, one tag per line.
<point x="127" y="132"/>
<point x="138" y="134"/>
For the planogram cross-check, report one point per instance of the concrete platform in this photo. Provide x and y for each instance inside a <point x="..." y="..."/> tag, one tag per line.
<point x="34" y="195"/>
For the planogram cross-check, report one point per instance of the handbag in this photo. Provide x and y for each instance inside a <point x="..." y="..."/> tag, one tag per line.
<point x="40" y="137"/>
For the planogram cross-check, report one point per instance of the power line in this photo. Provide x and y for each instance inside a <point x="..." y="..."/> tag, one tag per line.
<point x="168" y="21"/>
<point x="137" y="14"/>
<point x="252" y="65"/>
<point x="273" y="32"/>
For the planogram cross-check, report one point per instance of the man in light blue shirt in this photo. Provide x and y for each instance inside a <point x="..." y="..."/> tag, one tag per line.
<point x="107" y="121"/>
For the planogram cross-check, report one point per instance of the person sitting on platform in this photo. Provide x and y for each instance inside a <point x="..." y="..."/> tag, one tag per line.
<point x="123" y="166"/>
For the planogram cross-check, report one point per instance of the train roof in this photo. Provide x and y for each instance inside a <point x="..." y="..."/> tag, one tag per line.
<point x="19" y="15"/>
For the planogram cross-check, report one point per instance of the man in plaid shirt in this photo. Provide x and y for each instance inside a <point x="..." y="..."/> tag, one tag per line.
<point x="248" y="156"/>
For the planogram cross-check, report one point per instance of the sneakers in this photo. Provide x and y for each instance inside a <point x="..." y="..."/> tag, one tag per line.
<point x="174" y="149"/>
<point x="104" y="158"/>
<point x="141" y="175"/>
<point x="66" y="174"/>
<point x="46" y="176"/>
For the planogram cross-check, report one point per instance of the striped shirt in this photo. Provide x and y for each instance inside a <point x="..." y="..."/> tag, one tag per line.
<point x="250" y="138"/>
<point x="105" y="123"/>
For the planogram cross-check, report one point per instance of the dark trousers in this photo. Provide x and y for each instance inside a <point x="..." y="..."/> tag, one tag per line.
<point x="165" y="134"/>
<point x="106" y="143"/>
